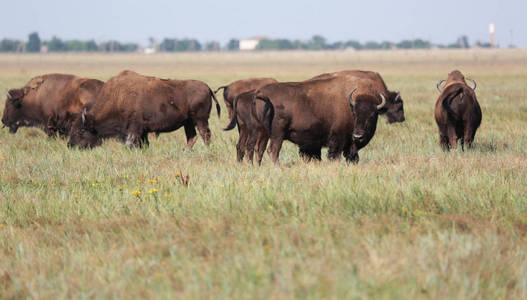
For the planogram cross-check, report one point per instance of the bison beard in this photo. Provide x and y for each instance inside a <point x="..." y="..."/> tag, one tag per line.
<point x="130" y="106"/>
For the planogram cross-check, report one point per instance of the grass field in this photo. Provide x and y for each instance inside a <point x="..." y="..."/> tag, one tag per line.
<point x="409" y="221"/>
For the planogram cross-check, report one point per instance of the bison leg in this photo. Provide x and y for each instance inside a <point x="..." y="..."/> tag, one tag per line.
<point x="469" y="137"/>
<point x="242" y="143"/>
<point x="144" y="139"/>
<point x="274" y="148"/>
<point x="190" y="132"/>
<point x="452" y="137"/>
<point x="310" y="152"/>
<point x="132" y="140"/>
<point x="335" y="147"/>
<point x="204" y="131"/>
<point x="260" y="143"/>
<point x="352" y="154"/>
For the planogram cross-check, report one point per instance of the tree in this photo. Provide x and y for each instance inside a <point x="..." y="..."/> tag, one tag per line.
<point x="212" y="46"/>
<point x="317" y="42"/>
<point x="33" y="43"/>
<point x="233" y="45"/>
<point x="7" y="45"/>
<point x="56" y="45"/>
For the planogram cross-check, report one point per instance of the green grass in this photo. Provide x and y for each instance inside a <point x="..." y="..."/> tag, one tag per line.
<point x="409" y="221"/>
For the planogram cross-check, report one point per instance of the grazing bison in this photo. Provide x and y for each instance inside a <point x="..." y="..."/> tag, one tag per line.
<point x="249" y="129"/>
<point x="232" y="90"/>
<point x="394" y="110"/>
<point x="51" y="102"/>
<point x="315" y="114"/>
<point x="129" y="106"/>
<point x="457" y="111"/>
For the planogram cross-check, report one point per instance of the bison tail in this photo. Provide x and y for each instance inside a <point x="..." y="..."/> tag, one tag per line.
<point x="447" y="101"/>
<point x="267" y="107"/>
<point x="218" y="108"/>
<point x="234" y="119"/>
<point x="221" y="87"/>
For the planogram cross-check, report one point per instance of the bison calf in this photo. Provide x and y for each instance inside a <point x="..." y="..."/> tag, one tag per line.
<point x="129" y="106"/>
<point x="457" y="111"/>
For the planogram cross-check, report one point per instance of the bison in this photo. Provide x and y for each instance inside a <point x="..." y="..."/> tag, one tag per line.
<point x="51" y="102"/>
<point x="457" y="111"/>
<point x="394" y="110"/>
<point x="130" y="105"/>
<point x="233" y="89"/>
<point x="315" y="114"/>
<point x="250" y="130"/>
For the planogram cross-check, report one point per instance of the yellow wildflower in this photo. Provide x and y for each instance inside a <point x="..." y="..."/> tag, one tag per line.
<point x="152" y="181"/>
<point x="178" y="174"/>
<point x="2" y="158"/>
<point x="404" y="209"/>
<point x="221" y="185"/>
<point x="136" y="192"/>
<point x="152" y="191"/>
<point x="271" y="207"/>
<point x="95" y="184"/>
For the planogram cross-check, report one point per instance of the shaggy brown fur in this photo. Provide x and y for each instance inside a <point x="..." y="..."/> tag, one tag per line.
<point x="394" y="110"/>
<point x="315" y="114"/>
<point x="233" y="89"/>
<point x="457" y="112"/>
<point x="129" y="106"/>
<point x="51" y="102"/>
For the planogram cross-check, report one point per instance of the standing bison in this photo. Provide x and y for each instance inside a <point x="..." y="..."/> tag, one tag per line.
<point x="394" y="110"/>
<point x="233" y="89"/>
<point x="249" y="129"/>
<point x="457" y="111"/>
<point x="315" y="114"/>
<point x="129" y="106"/>
<point x="51" y="102"/>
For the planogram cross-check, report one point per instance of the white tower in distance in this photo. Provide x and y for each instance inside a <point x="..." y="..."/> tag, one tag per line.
<point x="492" y="31"/>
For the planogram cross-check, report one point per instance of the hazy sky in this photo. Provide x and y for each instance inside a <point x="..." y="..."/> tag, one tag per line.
<point x="135" y="21"/>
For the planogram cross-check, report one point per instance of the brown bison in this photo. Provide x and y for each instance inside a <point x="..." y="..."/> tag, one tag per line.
<point x="129" y="106"/>
<point x="51" y="102"/>
<point x="394" y="110"/>
<point x="457" y="111"/>
<point x="315" y="114"/>
<point x="249" y="129"/>
<point x="233" y="89"/>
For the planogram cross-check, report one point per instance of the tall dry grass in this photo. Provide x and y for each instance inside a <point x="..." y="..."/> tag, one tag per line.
<point x="409" y="221"/>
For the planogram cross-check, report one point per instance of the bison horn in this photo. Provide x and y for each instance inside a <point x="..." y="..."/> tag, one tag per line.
<point x="383" y="103"/>
<point x="398" y="97"/>
<point x="473" y="82"/>
<point x="83" y="116"/>
<point x="439" y="85"/>
<point x="9" y="97"/>
<point x="350" y="100"/>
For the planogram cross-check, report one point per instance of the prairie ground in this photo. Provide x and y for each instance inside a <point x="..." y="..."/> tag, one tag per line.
<point x="408" y="221"/>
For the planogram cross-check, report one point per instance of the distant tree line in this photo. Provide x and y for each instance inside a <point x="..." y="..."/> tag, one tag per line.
<point x="317" y="42"/>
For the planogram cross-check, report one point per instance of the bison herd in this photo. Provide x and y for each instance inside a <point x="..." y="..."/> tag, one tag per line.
<point x="334" y="110"/>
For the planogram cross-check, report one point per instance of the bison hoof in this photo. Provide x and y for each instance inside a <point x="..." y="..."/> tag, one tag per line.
<point x="353" y="158"/>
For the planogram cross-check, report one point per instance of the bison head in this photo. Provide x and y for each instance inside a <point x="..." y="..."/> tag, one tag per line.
<point x="394" y="109"/>
<point x="366" y="112"/>
<point x="13" y="114"/>
<point x="83" y="132"/>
